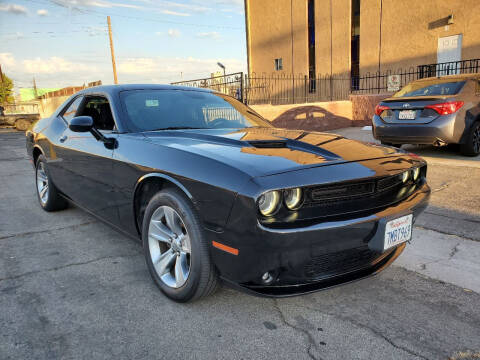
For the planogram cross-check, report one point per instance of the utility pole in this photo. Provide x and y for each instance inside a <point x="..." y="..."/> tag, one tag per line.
<point x="35" y="92"/>
<point x="115" y="80"/>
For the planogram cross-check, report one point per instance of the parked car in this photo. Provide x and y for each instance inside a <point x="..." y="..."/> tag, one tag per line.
<point x="215" y="192"/>
<point x="438" y="111"/>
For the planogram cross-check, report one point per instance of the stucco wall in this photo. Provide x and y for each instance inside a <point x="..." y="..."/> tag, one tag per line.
<point x="319" y="116"/>
<point x="48" y="106"/>
<point x="406" y="37"/>
<point x="271" y="29"/>
<point x="406" y="41"/>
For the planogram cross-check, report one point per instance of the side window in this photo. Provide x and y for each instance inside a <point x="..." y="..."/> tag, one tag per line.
<point x="71" y="110"/>
<point x="99" y="109"/>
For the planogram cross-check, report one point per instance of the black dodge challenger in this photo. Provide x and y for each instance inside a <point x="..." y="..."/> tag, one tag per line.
<point x="215" y="192"/>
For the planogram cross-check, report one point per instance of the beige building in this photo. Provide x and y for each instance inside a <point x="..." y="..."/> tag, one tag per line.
<point x="351" y="37"/>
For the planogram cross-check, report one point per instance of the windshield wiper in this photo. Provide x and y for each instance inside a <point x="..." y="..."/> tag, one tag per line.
<point x="177" y="128"/>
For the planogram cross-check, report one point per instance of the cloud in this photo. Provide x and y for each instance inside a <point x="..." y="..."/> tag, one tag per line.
<point x="175" y="13"/>
<point x="137" y="66"/>
<point x="14" y="9"/>
<point x="173" y="33"/>
<point x="77" y="4"/>
<point x="13" y="36"/>
<point x="54" y="65"/>
<point x="188" y="7"/>
<point x="230" y="2"/>
<point x="95" y="30"/>
<point x="42" y="12"/>
<point x="209" y="35"/>
<point x="60" y="71"/>
<point x="7" y="59"/>
<point x="165" y="70"/>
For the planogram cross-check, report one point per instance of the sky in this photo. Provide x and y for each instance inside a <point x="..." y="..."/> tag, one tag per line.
<point x="65" y="42"/>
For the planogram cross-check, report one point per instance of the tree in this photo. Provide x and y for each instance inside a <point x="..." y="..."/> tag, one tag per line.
<point x="6" y="90"/>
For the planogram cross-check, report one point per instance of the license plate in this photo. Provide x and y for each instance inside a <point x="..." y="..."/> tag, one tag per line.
<point x="407" y="114"/>
<point x="398" y="231"/>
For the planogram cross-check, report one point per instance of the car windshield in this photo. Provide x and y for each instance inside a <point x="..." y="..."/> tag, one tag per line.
<point x="150" y="110"/>
<point x="430" y="88"/>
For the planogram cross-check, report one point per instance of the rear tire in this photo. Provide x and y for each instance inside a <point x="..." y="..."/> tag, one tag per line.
<point x="471" y="147"/>
<point x="172" y="236"/>
<point x="390" y="144"/>
<point x="47" y="193"/>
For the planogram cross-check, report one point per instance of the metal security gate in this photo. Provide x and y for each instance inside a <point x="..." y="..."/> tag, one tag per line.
<point x="230" y="84"/>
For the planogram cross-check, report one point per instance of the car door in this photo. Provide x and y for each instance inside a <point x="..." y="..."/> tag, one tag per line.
<point x="54" y="147"/>
<point x="87" y="162"/>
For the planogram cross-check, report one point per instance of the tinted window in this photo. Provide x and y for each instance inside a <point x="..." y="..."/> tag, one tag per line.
<point x="172" y="109"/>
<point x="71" y="110"/>
<point x="99" y="109"/>
<point x="430" y="88"/>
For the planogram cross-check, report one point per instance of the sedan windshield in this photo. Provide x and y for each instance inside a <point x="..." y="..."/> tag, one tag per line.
<point x="430" y="88"/>
<point x="150" y="110"/>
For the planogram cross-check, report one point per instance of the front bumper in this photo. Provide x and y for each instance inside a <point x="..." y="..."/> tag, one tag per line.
<point x="440" y="130"/>
<point x="303" y="260"/>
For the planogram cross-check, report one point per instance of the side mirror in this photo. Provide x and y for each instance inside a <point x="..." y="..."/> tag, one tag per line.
<point x="81" y="124"/>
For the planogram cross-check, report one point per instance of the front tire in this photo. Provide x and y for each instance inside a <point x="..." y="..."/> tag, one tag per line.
<point x="471" y="147"/>
<point x="47" y="193"/>
<point x="175" y="248"/>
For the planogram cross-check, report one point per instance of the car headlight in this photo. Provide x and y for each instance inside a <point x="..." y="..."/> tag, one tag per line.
<point x="293" y="198"/>
<point x="405" y="176"/>
<point x="268" y="202"/>
<point x="415" y="173"/>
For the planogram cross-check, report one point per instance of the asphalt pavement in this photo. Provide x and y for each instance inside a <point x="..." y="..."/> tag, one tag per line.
<point x="73" y="288"/>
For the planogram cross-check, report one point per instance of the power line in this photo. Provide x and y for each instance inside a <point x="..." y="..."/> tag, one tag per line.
<point x="103" y="14"/>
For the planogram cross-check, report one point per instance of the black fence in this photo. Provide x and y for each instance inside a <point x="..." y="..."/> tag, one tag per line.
<point x="277" y="89"/>
<point x="230" y="84"/>
<point x="293" y="89"/>
<point x="372" y="83"/>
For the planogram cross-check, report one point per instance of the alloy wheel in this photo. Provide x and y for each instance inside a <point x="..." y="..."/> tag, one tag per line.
<point x="169" y="245"/>
<point x="42" y="183"/>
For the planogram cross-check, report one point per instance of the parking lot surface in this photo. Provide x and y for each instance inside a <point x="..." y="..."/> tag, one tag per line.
<point x="73" y="288"/>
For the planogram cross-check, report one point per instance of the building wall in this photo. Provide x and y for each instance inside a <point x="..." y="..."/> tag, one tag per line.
<point x="406" y="38"/>
<point x="272" y="24"/>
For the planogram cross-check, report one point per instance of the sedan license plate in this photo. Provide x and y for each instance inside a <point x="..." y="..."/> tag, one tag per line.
<point x="407" y="114"/>
<point x="398" y="231"/>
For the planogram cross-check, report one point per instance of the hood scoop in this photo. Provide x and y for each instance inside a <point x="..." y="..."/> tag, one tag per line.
<point x="269" y="144"/>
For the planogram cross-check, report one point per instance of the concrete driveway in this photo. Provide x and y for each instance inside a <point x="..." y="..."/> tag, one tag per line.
<point x="73" y="288"/>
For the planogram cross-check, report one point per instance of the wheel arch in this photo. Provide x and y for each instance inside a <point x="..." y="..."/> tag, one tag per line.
<point x="146" y="187"/>
<point x="470" y="122"/>
<point x="36" y="152"/>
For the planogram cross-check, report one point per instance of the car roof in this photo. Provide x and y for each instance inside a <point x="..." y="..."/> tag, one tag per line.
<point x="112" y="89"/>
<point x="458" y="77"/>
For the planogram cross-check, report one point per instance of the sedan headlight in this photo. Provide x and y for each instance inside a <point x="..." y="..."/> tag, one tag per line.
<point x="415" y="173"/>
<point x="293" y="198"/>
<point x="268" y="202"/>
<point x="405" y="176"/>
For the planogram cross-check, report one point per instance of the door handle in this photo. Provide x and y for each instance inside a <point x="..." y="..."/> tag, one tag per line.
<point x="63" y="138"/>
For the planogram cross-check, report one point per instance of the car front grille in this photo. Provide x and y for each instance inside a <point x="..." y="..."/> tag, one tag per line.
<point x="353" y="190"/>
<point x="346" y="200"/>
<point x="341" y="262"/>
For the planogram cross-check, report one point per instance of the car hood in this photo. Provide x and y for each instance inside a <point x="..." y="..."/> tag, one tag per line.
<point x="268" y="151"/>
